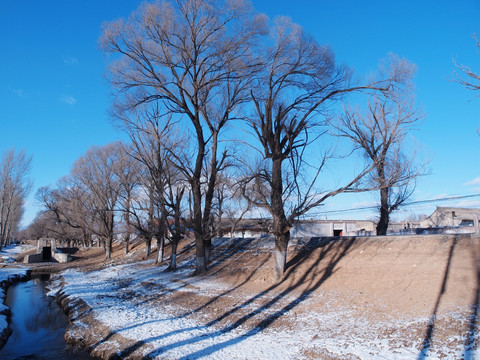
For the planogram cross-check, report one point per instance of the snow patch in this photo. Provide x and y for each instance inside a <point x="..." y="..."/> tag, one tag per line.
<point x="336" y="333"/>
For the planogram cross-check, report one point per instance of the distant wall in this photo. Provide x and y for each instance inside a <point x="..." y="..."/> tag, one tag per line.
<point x="313" y="229"/>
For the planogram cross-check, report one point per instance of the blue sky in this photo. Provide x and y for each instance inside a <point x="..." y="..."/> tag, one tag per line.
<point x="54" y="98"/>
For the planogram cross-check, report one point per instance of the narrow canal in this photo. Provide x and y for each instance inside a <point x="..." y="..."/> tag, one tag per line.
<point x="38" y="324"/>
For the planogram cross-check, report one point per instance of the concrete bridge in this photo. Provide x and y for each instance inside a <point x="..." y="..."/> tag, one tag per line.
<point x="47" y="251"/>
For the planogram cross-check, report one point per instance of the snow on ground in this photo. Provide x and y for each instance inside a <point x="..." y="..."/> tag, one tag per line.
<point x="337" y="333"/>
<point x="7" y="252"/>
<point x="7" y="275"/>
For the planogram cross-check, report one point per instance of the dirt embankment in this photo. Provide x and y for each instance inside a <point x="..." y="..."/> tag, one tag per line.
<point x="408" y="275"/>
<point x="377" y="279"/>
<point x="85" y="332"/>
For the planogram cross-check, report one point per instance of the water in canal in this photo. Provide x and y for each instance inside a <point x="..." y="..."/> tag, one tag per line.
<point x="38" y="325"/>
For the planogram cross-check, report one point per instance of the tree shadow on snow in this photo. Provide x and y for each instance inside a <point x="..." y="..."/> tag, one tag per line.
<point x="264" y="315"/>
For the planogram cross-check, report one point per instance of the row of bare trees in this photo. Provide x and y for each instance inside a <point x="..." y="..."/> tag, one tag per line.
<point x="14" y="188"/>
<point x="210" y="66"/>
<point x="189" y="76"/>
<point x="112" y="189"/>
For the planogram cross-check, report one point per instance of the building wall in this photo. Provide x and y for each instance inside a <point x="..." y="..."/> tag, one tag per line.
<point x="332" y="227"/>
<point x="312" y="229"/>
<point x="452" y="217"/>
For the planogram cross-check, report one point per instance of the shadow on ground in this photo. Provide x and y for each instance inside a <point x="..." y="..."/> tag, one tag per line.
<point x="309" y="267"/>
<point x="262" y="309"/>
<point x="472" y="332"/>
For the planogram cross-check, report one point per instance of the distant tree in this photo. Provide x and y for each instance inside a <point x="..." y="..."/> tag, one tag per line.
<point x="128" y="172"/>
<point x="230" y="206"/>
<point x="193" y="58"/>
<point x="153" y="139"/>
<point x="15" y="185"/>
<point x="40" y="226"/>
<point x="70" y="205"/>
<point x="380" y="136"/>
<point x="292" y="95"/>
<point x="142" y="213"/>
<point x="97" y="173"/>
<point x="466" y="76"/>
<point x="174" y="192"/>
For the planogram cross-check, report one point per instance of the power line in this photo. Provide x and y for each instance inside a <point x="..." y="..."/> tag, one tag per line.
<point x="418" y="202"/>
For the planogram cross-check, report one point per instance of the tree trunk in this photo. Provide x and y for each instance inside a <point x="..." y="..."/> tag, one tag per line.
<point x="148" y="246"/>
<point x="382" y="225"/>
<point x="108" y="252"/>
<point x="281" y="228"/>
<point x="127" y="223"/>
<point x="161" y="250"/>
<point x="281" y="245"/>
<point x="127" y="243"/>
<point x="201" y="264"/>
<point x="208" y="248"/>
<point x="85" y="239"/>
<point x="173" y="257"/>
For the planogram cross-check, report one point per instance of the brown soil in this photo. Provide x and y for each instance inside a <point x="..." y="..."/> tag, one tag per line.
<point x="375" y="280"/>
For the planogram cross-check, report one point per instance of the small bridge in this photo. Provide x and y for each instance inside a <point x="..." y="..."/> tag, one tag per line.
<point x="47" y="251"/>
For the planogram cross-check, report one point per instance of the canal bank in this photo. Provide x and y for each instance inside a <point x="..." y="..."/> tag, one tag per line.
<point x="8" y="276"/>
<point x="37" y="324"/>
<point x="13" y="275"/>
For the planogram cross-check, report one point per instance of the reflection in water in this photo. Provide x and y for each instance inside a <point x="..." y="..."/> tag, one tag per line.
<point x="38" y="325"/>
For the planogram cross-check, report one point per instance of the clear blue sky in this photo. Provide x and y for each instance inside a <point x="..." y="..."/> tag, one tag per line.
<point x="54" y="98"/>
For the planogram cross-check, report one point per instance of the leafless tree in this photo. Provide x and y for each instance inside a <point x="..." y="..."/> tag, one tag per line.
<point x="14" y="188"/>
<point x="129" y="175"/>
<point x="142" y="214"/>
<point x="40" y="226"/>
<point x="466" y="76"/>
<point x="149" y="136"/>
<point x="152" y="140"/>
<point x="291" y="98"/>
<point x="193" y="58"/>
<point x="97" y="172"/>
<point x="230" y="206"/>
<point x="70" y="205"/>
<point x="174" y="192"/>
<point x="380" y="136"/>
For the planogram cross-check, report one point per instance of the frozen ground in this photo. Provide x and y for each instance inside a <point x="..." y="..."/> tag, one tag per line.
<point x="7" y="275"/>
<point x="8" y="252"/>
<point x="172" y="316"/>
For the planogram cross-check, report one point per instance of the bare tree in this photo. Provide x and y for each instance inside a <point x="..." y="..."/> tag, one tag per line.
<point x="380" y="135"/>
<point x="193" y="58"/>
<point x="97" y="172"/>
<point x="41" y="226"/>
<point x="142" y="214"/>
<point x="14" y="188"/>
<point x="231" y="206"/>
<point x="149" y="137"/>
<point x="174" y="191"/>
<point x="70" y="204"/>
<point x="128" y="172"/>
<point x="291" y="98"/>
<point x="466" y="76"/>
<point x="152" y="140"/>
